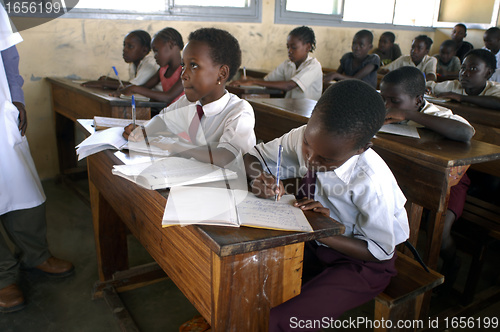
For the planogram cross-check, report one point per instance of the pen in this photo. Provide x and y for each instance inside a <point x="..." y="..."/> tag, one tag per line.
<point x="133" y="112"/>
<point x="278" y="166"/>
<point x="118" y="77"/>
<point x="244" y="73"/>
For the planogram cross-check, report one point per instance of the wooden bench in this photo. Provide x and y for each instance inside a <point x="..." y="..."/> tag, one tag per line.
<point x="477" y="228"/>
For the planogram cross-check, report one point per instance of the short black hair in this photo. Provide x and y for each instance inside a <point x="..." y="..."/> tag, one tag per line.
<point x="410" y="79"/>
<point x="353" y="109"/>
<point x="489" y="58"/>
<point x="391" y="36"/>
<point x="170" y="34"/>
<point x="224" y="48"/>
<point x="461" y="25"/>
<point x="143" y="37"/>
<point x="449" y="43"/>
<point x="306" y="35"/>
<point x="426" y="39"/>
<point x="494" y="31"/>
<point x="365" y="34"/>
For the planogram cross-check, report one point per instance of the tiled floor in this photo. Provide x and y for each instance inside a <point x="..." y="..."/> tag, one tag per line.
<point x="66" y="304"/>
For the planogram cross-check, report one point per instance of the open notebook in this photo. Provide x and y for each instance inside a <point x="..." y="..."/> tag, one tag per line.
<point x="172" y="171"/>
<point x="232" y="207"/>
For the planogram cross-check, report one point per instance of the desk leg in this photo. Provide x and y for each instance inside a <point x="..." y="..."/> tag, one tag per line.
<point x="110" y="236"/>
<point x="65" y="138"/>
<point x="245" y="287"/>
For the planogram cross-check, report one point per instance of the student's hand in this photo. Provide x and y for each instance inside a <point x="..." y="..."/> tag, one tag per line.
<point x="242" y="82"/>
<point x="265" y="186"/>
<point x="93" y="84"/>
<point x="134" y="134"/>
<point x="329" y="77"/>
<point x="127" y="91"/>
<point x="394" y="115"/>
<point x="23" y="119"/>
<point x="306" y="204"/>
<point x="451" y="95"/>
<point x="383" y="71"/>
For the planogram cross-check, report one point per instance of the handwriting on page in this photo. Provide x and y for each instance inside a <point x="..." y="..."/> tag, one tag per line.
<point x="255" y="211"/>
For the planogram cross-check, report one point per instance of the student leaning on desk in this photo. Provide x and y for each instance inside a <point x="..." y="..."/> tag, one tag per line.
<point x="403" y="92"/>
<point x="473" y="85"/>
<point x="207" y="113"/>
<point x="301" y="75"/>
<point x="348" y="181"/>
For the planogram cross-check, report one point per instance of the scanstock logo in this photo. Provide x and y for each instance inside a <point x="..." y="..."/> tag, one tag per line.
<point x="26" y="14"/>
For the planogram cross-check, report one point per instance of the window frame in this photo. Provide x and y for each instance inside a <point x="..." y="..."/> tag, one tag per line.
<point x="251" y="14"/>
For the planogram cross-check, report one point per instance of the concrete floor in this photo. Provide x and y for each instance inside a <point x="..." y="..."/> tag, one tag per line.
<point x="66" y="304"/>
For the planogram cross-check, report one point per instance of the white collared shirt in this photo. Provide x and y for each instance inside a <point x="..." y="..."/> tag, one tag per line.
<point x="362" y="194"/>
<point x="427" y="66"/>
<point x="146" y="69"/>
<point x="309" y="78"/>
<point x="441" y="112"/>
<point x="490" y="89"/>
<point x="228" y="121"/>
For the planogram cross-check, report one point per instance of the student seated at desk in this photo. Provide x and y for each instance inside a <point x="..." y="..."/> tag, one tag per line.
<point x="403" y="92"/>
<point x="301" y="76"/>
<point x="473" y="85"/>
<point x="207" y="113"/>
<point x="448" y="64"/>
<point x="358" y="63"/>
<point x="387" y="49"/>
<point x="142" y="65"/>
<point x="348" y="181"/>
<point x="166" y="45"/>
<point x="419" y="57"/>
<point x="458" y="34"/>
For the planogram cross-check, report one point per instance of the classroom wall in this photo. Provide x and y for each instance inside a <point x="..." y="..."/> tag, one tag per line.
<point x="87" y="48"/>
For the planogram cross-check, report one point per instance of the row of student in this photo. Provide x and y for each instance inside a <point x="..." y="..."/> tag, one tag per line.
<point x="332" y="151"/>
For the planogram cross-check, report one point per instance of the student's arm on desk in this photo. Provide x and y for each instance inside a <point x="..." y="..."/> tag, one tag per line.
<point x="449" y="128"/>
<point x="263" y="184"/>
<point x="280" y="85"/>
<point x="339" y="75"/>
<point x="351" y="247"/>
<point x="482" y="101"/>
<point x="105" y="82"/>
<point x="147" y="90"/>
<point x="136" y="134"/>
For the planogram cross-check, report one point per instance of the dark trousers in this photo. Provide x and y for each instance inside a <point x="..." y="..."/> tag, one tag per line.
<point x="27" y="229"/>
<point x="343" y="283"/>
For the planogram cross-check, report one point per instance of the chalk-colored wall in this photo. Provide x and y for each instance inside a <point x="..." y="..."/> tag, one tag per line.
<point x="87" y="48"/>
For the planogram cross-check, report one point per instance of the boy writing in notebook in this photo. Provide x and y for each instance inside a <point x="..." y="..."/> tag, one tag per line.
<point x="348" y="181"/>
<point x="207" y="114"/>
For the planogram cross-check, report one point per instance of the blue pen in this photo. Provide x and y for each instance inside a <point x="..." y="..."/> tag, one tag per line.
<point x="118" y="77"/>
<point x="278" y="166"/>
<point x="133" y="112"/>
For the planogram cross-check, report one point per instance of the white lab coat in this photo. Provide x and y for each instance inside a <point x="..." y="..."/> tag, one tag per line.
<point x="20" y="186"/>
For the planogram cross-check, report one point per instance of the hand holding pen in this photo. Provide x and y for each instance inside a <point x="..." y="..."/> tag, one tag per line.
<point x="265" y="185"/>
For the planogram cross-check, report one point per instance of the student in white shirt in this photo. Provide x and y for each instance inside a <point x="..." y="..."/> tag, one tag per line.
<point x="473" y="85"/>
<point x="419" y="57"/>
<point x="210" y="58"/>
<point x="301" y="75"/>
<point x="353" y="186"/>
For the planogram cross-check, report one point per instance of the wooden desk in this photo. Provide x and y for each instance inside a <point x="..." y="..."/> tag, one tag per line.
<point x="425" y="168"/>
<point x="71" y="101"/>
<point x="232" y="276"/>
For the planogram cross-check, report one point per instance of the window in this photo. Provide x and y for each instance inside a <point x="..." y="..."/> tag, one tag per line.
<point x="194" y="10"/>
<point x="333" y="12"/>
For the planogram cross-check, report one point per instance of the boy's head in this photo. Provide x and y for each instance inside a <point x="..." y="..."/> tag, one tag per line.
<point x="420" y="47"/>
<point x="459" y="32"/>
<point x="403" y="88"/>
<point x="299" y="43"/>
<point x="224" y="48"/>
<point x="386" y="41"/>
<point x="447" y="51"/>
<point x="491" y="39"/>
<point x="477" y="68"/>
<point x="362" y="43"/>
<point x="342" y="124"/>
<point x="136" y="45"/>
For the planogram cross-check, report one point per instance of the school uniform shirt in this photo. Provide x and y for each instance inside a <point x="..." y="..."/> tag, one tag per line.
<point x="228" y="121"/>
<point x="21" y="186"/>
<point x="362" y="194"/>
<point x="371" y="59"/>
<point x="146" y="69"/>
<point x="490" y="89"/>
<point x="452" y="66"/>
<point x="309" y="78"/>
<point x="426" y="66"/>
<point x="439" y="111"/>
